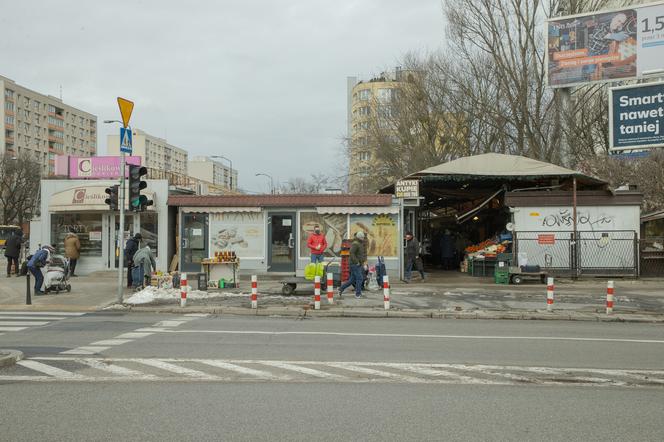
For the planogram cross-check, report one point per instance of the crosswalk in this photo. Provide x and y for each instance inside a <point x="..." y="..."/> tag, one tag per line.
<point x="16" y="320"/>
<point x="98" y="369"/>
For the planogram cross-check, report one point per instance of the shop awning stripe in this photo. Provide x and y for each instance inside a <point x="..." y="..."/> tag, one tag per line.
<point x="219" y="209"/>
<point x="357" y="210"/>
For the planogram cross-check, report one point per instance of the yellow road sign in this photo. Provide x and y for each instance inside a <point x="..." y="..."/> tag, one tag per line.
<point x="126" y="107"/>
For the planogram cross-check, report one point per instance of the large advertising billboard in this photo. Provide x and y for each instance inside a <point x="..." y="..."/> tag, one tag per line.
<point x="605" y="46"/>
<point x="636" y="116"/>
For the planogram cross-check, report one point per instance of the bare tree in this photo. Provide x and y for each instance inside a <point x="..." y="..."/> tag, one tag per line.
<point x="19" y="188"/>
<point x="316" y="184"/>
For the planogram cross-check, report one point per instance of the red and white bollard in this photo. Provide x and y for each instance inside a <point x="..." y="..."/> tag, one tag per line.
<point x="330" y="288"/>
<point x="183" y="290"/>
<point x="254" y="291"/>
<point x="317" y="293"/>
<point x="549" y="294"/>
<point x="609" y="297"/>
<point x="386" y="292"/>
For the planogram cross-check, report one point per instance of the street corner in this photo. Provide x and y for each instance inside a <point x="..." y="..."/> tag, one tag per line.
<point x="10" y="357"/>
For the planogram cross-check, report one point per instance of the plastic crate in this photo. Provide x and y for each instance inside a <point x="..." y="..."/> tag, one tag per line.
<point x="502" y="278"/>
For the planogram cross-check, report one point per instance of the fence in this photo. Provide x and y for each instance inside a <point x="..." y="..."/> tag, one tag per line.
<point x="594" y="253"/>
<point x="652" y="256"/>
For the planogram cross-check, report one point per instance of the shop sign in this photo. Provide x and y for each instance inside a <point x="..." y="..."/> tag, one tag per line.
<point x="98" y="167"/>
<point x="407" y="189"/>
<point x="547" y="239"/>
<point x="95" y="235"/>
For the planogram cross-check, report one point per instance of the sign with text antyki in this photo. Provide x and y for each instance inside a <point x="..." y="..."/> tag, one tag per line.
<point x="125" y="140"/>
<point x="636" y="116"/>
<point x="407" y="189"/>
<point x="605" y="46"/>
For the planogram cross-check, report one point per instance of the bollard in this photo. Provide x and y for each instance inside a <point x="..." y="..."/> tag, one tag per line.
<point x="609" y="297"/>
<point x="317" y="293"/>
<point x="183" y="290"/>
<point x="254" y="291"/>
<point x="330" y="288"/>
<point x="386" y="292"/>
<point x="549" y="294"/>
<point x="28" y="296"/>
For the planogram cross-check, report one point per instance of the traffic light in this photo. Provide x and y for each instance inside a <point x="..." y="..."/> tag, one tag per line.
<point x="112" y="199"/>
<point x="137" y="202"/>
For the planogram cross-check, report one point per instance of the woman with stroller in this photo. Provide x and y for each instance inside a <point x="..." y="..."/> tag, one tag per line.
<point x="39" y="260"/>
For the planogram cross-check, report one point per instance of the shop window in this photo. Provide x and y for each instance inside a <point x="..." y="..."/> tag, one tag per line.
<point x="86" y="225"/>
<point x="149" y="231"/>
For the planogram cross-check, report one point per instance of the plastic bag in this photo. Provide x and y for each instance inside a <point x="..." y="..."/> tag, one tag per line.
<point x="372" y="285"/>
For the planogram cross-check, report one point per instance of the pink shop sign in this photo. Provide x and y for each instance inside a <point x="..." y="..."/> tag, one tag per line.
<point x="98" y="167"/>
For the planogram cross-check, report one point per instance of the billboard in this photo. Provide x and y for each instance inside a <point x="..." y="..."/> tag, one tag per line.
<point x="605" y="46"/>
<point x="636" y="116"/>
<point x="92" y="167"/>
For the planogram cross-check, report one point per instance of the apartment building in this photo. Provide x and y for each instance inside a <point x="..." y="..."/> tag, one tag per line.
<point x="43" y="126"/>
<point x="156" y="153"/>
<point x="212" y="171"/>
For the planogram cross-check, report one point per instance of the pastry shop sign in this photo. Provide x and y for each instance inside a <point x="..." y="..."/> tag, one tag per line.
<point x="407" y="189"/>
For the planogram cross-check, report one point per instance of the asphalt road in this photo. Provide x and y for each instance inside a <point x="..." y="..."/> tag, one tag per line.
<point x="173" y="377"/>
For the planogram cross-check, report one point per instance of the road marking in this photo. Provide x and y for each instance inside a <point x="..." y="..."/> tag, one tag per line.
<point x="6" y="329"/>
<point x="111" y="368"/>
<point x="260" y="374"/>
<point x="393" y="335"/>
<point x="52" y="318"/>
<point x="168" y="323"/>
<point x="197" y="315"/>
<point x="152" y="330"/>
<point x="30" y="312"/>
<point x="435" y="373"/>
<point x="175" y="368"/>
<point x="133" y="335"/>
<point x="15" y="323"/>
<point x="85" y="350"/>
<point x="111" y="342"/>
<point x="303" y="370"/>
<point x="374" y="372"/>
<point x="47" y="369"/>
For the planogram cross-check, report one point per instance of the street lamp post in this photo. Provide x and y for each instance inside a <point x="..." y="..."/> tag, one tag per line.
<point x="271" y="181"/>
<point x="230" y="181"/>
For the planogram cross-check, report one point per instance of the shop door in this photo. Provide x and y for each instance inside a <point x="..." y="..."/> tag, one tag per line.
<point x="114" y="246"/>
<point x="194" y="243"/>
<point x="281" y="242"/>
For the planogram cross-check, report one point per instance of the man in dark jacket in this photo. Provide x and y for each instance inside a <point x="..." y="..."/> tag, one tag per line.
<point x="411" y="252"/>
<point x="13" y="251"/>
<point x="39" y="260"/>
<point x="358" y="257"/>
<point x="130" y="250"/>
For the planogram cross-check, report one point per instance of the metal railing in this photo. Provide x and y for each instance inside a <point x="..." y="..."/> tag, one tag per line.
<point x="651" y="256"/>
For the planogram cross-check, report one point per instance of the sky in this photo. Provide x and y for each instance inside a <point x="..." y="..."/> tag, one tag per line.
<point x="260" y="82"/>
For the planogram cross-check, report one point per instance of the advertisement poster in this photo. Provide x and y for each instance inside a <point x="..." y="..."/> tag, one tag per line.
<point x="636" y="116"/>
<point x="333" y="226"/>
<point x="381" y="233"/>
<point x="605" y="46"/>
<point x="243" y="233"/>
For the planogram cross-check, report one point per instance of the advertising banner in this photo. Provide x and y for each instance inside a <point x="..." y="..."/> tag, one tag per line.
<point x="407" y="189"/>
<point x="381" y="233"/>
<point x="605" y="46"/>
<point x="333" y="226"/>
<point x="98" y="167"/>
<point x="636" y="116"/>
<point x="243" y="233"/>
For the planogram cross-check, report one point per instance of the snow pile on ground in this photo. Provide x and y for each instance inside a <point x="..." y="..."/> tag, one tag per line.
<point x="153" y="294"/>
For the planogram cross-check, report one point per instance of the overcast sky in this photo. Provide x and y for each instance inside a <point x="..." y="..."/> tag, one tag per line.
<point x="260" y="82"/>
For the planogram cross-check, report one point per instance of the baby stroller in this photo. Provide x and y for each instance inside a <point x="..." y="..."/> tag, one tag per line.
<point x="56" y="275"/>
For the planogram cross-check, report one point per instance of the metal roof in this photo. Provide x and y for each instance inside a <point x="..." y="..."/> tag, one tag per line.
<point x="289" y="200"/>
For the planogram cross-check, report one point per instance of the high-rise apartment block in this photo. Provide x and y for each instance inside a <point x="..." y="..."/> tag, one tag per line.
<point x="211" y="171"/>
<point x="43" y="126"/>
<point x="155" y="152"/>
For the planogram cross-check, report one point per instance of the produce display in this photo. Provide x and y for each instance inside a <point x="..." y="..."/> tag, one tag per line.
<point x="487" y="248"/>
<point x="222" y="256"/>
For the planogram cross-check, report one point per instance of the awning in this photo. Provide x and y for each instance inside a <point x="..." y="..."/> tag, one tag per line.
<point x="357" y="210"/>
<point x="219" y="209"/>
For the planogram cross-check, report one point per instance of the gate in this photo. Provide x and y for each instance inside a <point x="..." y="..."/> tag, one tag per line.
<point x="651" y="256"/>
<point x="613" y="252"/>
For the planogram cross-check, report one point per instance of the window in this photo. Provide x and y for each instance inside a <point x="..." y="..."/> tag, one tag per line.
<point x="51" y="108"/>
<point x="35" y="105"/>
<point x="9" y="93"/>
<point x="364" y="110"/>
<point x="385" y="95"/>
<point x="365" y="94"/>
<point x="364" y="125"/>
<point x="365" y="156"/>
<point x="82" y="224"/>
<point x="9" y="106"/>
<point x="9" y="119"/>
<point x="149" y="231"/>
<point x="386" y="111"/>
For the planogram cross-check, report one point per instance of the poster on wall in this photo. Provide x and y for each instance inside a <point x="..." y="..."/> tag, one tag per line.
<point x="243" y="233"/>
<point x="381" y="233"/>
<point x="605" y="46"/>
<point x="333" y="226"/>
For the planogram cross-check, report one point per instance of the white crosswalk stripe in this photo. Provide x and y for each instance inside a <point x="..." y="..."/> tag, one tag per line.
<point x="17" y="320"/>
<point x="96" y="369"/>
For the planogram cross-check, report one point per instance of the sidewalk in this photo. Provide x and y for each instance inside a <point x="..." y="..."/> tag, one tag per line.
<point x="437" y="297"/>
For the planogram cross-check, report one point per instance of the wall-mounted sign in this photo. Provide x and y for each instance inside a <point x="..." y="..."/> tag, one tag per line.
<point x="407" y="189"/>
<point x="546" y="239"/>
<point x="636" y="116"/>
<point x="95" y="167"/>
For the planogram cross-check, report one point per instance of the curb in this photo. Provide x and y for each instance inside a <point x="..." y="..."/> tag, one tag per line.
<point x="345" y="312"/>
<point x="10" y="357"/>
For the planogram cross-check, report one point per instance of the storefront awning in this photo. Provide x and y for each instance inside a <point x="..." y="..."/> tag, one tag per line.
<point x="219" y="209"/>
<point x="357" y="210"/>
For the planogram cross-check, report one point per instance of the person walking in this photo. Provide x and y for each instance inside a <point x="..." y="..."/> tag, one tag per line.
<point x="72" y="251"/>
<point x="144" y="264"/>
<point x="412" y="252"/>
<point x="317" y="244"/>
<point x="39" y="260"/>
<point x="13" y="251"/>
<point x="130" y="250"/>
<point x="357" y="260"/>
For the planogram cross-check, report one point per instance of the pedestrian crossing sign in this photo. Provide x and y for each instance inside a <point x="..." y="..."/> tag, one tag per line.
<point x="125" y="140"/>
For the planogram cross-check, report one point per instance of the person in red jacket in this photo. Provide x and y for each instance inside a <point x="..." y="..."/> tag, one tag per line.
<point x="317" y="244"/>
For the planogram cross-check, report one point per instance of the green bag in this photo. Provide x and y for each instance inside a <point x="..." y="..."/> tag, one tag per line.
<point x="312" y="270"/>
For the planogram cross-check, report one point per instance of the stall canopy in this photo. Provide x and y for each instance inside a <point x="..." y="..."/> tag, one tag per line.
<point x="324" y="203"/>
